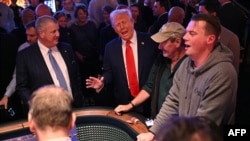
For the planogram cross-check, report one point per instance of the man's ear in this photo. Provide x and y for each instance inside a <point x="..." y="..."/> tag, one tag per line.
<point x="32" y="125"/>
<point x="72" y="121"/>
<point x="211" y="39"/>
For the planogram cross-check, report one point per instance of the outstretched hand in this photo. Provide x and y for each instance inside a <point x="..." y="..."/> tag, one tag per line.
<point x="94" y="82"/>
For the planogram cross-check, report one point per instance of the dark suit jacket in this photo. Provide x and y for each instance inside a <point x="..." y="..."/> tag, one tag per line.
<point x="233" y="19"/>
<point x="114" y="69"/>
<point x="32" y="72"/>
<point x="158" y="23"/>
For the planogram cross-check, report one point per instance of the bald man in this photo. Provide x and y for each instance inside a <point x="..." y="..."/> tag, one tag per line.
<point x="176" y="14"/>
<point x="27" y="15"/>
<point x="43" y="9"/>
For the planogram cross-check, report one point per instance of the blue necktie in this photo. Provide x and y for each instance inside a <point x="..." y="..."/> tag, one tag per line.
<point x="57" y="70"/>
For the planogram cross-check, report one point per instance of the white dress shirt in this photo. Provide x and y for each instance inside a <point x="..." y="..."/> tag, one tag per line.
<point x="58" y="57"/>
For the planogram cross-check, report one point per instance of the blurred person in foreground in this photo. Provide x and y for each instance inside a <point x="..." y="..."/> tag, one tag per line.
<point x="189" y="129"/>
<point x="206" y="82"/>
<point x="51" y="116"/>
<point x="162" y="73"/>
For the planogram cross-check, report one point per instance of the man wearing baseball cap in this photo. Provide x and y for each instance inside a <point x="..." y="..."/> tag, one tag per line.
<point x="161" y="76"/>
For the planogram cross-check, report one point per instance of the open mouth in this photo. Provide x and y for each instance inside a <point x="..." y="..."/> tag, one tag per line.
<point x="187" y="46"/>
<point x="124" y="33"/>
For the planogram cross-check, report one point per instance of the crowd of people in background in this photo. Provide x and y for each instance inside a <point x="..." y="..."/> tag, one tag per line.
<point x="185" y="53"/>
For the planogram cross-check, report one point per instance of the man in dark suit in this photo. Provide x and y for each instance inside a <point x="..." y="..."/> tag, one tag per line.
<point x="232" y="18"/>
<point x="35" y="69"/>
<point x="160" y="11"/>
<point x="115" y="65"/>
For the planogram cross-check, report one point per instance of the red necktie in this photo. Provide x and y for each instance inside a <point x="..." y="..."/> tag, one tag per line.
<point x="131" y="70"/>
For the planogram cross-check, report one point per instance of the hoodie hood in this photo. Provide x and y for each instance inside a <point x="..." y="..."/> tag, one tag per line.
<point x="220" y="54"/>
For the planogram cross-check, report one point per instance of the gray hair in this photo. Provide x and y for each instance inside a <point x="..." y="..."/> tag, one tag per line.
<point x="118" y="12"/>
<point x="42" y="22"/>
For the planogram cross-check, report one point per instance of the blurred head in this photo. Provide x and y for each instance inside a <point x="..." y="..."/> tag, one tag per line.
<point x="202" y="34"/>
<point x="51" y="107"/>
<point x="189" y="129"/>
<point x="43" y="9"/>
<point x="27" y="15"/>
<point x="123" y="23"/>
<point x="160" y="7"/>
<point x="61" y="18"/>
<point x="48" y="31"/>
<point x="135" y="10"/>
<point x="209" y="6"/>
<point x="170" y="39"/>
<point x="81" y="13"/>
<point x="176" y="14"/>
<point x="31" y="32"/>
<point x="68" y="5"/>
<point x="106" y="10"/>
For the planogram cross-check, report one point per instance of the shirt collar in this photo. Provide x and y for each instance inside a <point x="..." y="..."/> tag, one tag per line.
<point x="132" y="40"/>
<point x="43" y="48"/>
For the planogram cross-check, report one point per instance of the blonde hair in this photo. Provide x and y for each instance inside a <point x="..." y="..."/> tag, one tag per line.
<point x="51" y="106"/>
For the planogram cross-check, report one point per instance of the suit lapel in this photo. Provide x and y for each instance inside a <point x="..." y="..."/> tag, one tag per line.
<point x="66" y="57"/>
<point x="119" y="56"/>
<point x="140" y="45"/>
<point x="42" y="66"/>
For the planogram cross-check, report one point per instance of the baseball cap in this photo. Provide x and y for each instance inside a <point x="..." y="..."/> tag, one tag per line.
<point x="170" y="29"/>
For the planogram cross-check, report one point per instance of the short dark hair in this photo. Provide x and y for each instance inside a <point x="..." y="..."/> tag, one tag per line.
<point x="30" y="24"/>
<point x="164" y="3"/>
<point x="212" y="23"/>
<point x="59" y="14"/>
<point x="80" y="7"/>
<point x="210" y="5"/>
<point x="107" y="8"/>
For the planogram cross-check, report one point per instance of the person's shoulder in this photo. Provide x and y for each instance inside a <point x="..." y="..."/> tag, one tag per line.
<point x="145" y="37"/>
<point x="143" y="34"/>
<point x="29" y="49"/>
<point x="227" y="33"/>
<point x="114" y="41"/>
<point x="64" y="45"/>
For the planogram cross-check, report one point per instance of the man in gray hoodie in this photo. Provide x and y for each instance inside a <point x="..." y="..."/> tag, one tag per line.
<point x="206" y="82"/>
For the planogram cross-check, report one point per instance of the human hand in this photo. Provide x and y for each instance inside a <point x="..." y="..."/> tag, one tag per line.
<point x="122" y="108"/>
<point x="146" y="137"/>
<point x="95" y="83"/>
<point x="4" y="101"/>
